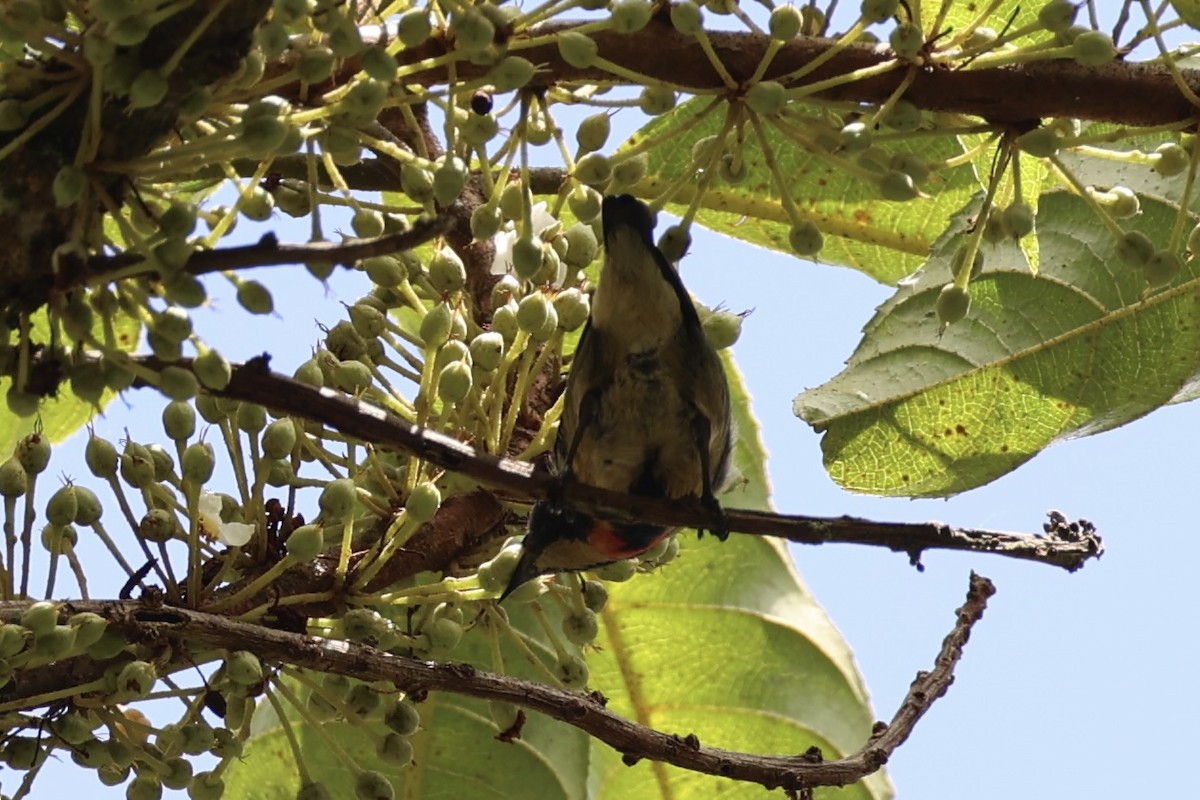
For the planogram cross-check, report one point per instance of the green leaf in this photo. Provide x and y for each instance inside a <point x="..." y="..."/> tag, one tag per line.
<point x="1007" y="16"/>
<point x="886" y="240"/>
<point x="786" y="682"/>
<point x="62" y="415"/>
<point x="1074" y="350"/>
<point x="1188" y="11"/>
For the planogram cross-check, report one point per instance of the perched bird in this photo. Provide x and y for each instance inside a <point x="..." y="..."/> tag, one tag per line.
<point x="646" y="406"/>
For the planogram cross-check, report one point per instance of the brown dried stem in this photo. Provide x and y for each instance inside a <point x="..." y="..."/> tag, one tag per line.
<point x="185" y="628"/>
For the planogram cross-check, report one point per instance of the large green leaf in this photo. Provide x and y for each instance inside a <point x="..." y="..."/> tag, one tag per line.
<point x="62" y="415"/>
<point x="1077" y="349"/>
<point x="724" y="642"/>
<point x="886" y="240"/>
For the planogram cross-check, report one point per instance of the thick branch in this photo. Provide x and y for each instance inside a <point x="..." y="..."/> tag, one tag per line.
<point x="1124" y="93"/>
<point x="139" y="622"/>
<point x="1066" y="545"/>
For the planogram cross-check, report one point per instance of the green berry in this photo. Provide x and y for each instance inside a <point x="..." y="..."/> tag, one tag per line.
<point x="805" y="238"/>
<point x="953" y="303"/>
<point x="1162" y="268"/>
<point x="487" y="350"/>
<point x="178" y="383"/>
<point x="414" y="27"/>
<point x="906" y="40"/>
<point x="855" y="137"/>
<point x="449" y="180"/>
<point x="403" y="719"/>
<point x="198" y="462"/>
<point x="148" y="89"/>
<point x="1093" y="49"/>
<point x="687" y="18"/>
<point x="69" y="183"/>
<point x="89" y="627"/>
<point x="446" y="271"/>
<point x="454" y="382"/>
<point x="581" y="628"/>
<point x="655" y="100"/>
<point x="1170" y="159"/>
<point x="100" y="456"/>
<point x="674" y="242"/>
<point x="367" y="223"/>
<point x="512" y="72"/>
<point x="255" y="298"/>
<point x="338" y="498"/>
<point x="88" y="509"/>
<point x="213" y="370"/>
<point x="593" y="169"/>
<point x="628" y="171"/>
<point x="279" y="438"/>
<point x="372" y="785"/>
<point x="618" y="571"/>
<point x="423" y="502"/>
<point x="897" y="186"/>
<point x="179" y="420"/>
<point x="1039" y="142"/>
<point x="533" y="311"/>
<point x="243" y="668"/>
<point x="436" y="325"/>
<point x="874" y="11"/>
<point x="1017" y="220"/>
<point x="40" y="618"/>
<point x="593" y="132"/>
<point x="305" y="543"/>
<point x="722" y="329"/>
<point x="527" y="256"/>
<point x="573" y="672"/>
<point x="630" y="16"/>
<point x="595" y="596"/>
<point x="785" y="23"/>
<point x="584" y="202"/>
<point x="33" y="453"/>
<point x="1134" y="248"/>
<point x="14" y="481"/>
<point x="577" y="49"/>
<point x="62" y="506"/>
<point x="472" y="30"/>
<point x="385" y="270"/>
<point x="54" y="643"/>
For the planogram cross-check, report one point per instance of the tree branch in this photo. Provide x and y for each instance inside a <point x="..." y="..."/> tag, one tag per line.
<point x="1119" y="92"/>
<point x="267" y="252"/>
<point x="142" y="622"/>
<point x="1066" y="545"/>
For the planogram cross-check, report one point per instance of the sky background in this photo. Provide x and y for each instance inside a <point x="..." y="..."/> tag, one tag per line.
<point x="1071" y="686"/>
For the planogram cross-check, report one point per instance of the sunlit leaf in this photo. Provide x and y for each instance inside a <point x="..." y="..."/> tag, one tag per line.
<point x="886" y="240"/>
<point x="1077" y="349"/>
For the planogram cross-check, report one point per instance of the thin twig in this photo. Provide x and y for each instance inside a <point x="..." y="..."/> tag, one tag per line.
<point x="269" y="252"/>
<point x="1066" y="545"/>
<point x="140" y="622"/>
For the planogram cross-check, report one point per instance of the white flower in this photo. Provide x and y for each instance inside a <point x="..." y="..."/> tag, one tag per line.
<point x="234" y="534"/>
<point x="540" y="220"/>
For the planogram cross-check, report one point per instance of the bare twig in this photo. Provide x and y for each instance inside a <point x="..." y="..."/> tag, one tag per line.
<point x="139" y="622"/>
<point x="269" y="252"/>
<point x="1066" y="545"/>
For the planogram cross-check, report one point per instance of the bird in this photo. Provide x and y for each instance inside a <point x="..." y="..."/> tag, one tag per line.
<point x="646" y="408"/>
